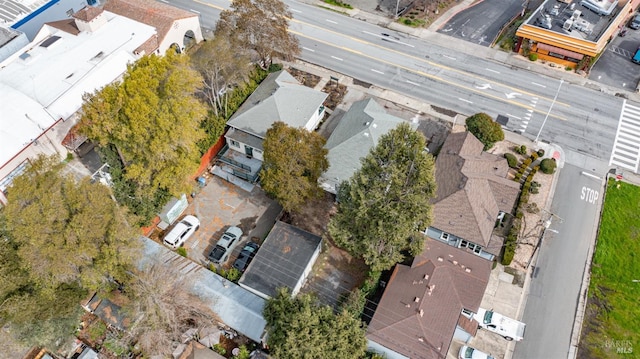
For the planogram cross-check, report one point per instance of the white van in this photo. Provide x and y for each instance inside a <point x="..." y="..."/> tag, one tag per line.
<point x="181" y="232"/>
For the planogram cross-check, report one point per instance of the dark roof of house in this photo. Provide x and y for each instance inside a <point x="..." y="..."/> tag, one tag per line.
<point x="357" y="132"/>
<point x="280" y="97"/>
<point x="472" y="189"/>
<point x="109" y="312"/>
<point x="150" y="12"/>
<point x="87" y="13"/>
<point x="281" y="260"/>
<point x="421" y="305"/>
<point x="66" y="25"/>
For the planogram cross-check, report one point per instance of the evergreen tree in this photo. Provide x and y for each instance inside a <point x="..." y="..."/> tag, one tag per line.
<point x="485" y="129"/>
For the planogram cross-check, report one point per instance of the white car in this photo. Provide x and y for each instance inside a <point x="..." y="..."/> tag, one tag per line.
<point x="182" y="231"/>
<point x="467" y="352"/>
<point x="230" y="239"/>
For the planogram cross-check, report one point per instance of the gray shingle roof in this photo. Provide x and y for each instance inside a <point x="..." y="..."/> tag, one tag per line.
<point x="440" y="283"/>
<point x="280" y="97"/>
<point x="357" y="132"/>
<point x="281" y="260"/>
<point x="472" y="189"/>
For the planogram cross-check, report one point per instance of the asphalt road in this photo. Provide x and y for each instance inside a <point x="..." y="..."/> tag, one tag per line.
<point x="581" y="120"/>
<point x="555" y="285"/>
<point x="482" y="22"/>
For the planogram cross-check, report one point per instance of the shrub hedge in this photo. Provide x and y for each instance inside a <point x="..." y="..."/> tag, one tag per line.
<point x="548" y="165"/>
<point x="511" y="160"/>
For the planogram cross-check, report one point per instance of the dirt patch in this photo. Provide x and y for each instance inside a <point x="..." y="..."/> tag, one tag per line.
<point x="444" y="111"/>
<point x="305" y="78"/>
<point x="336" y="93"/>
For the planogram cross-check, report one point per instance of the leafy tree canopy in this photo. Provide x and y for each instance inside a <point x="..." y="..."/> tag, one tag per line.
<point x="294" y="158"/>
<point x="485" y="129"/>
<point x="153" y="119"/>
<point x="65" y="231"/>
<point x="300" y="328"/>
<point x="260" y="26"/>
<point x="386" y="203"/>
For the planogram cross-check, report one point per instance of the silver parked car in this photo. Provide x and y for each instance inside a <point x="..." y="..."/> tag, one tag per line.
<point x="230" y="239"/>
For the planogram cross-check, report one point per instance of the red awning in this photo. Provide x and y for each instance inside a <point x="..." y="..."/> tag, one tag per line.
<point x="563" y="52"/>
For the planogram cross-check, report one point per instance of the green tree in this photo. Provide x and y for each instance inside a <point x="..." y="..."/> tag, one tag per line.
<point x="485" y="129"/>
<point x="294" y="158"/>
<point x="260" y="26"/>
<point x="300" y="328"/>
<point x="65" y="231"/>
<point x="152" y="118"/>
<point x="386" y="203"/>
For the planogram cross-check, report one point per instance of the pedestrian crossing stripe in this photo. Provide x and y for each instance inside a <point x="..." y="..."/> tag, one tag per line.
<point x="626" y="146"/>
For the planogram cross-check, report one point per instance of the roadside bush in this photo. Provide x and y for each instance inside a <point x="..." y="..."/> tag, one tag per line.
<point x="533" y="56"/>
<point x="517" y="177"/>
<point x="534" y="156"/>
<point x="507" y="256"/>
<point x="519" y="214"/>
<point x="219" y="349"/>
<point x="182" y="251"/>
<point x="548" y="166"/>
<point x="527" y="162"/>
<point x="511" y="160"/>
<point x="522" y="150"/>
<point x="540" y="152"/>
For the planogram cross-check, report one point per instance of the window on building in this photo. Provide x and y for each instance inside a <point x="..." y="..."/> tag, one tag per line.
<point x="235" y="143"/>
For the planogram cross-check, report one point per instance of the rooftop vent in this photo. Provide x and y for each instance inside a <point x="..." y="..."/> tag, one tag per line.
<point x="468" y="270"/>
<point x="440" y="259"/>
<point x="455" y="263"/>
<point x="421" y="312"/>
<point x="416" y="299"/>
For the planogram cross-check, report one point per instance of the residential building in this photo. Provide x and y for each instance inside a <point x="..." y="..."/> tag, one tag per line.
<point x="355" y="135"/>
<point x="429" y="303"/>
<point x="41" y="86"/>
<point x="570" y="32"/>
<point x="280" y="97"/>
<point x="28" y="16"/>
<point x="473" y="194"/>
<point x="175" y="28"/>
<point x="110" y="313"/>
<point x="285" y="259"/>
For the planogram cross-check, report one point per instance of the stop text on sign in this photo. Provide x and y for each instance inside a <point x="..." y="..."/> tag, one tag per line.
<point x="589" y="195"/>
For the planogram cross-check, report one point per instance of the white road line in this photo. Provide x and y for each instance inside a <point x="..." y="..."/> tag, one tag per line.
<point x="626" y="152"/>
<point x="537" y="84"/>
<point x="294" y="10"/>
<point x="449" y="57"/>
<point x="308" y="49"/>
<point x="337" y="58"/>
<point x="413" y="83"/>
<point x="331" y="21"/>
<point x="590" y="175"/>
<point x="197" y="12"/>
<point x="494" y="71"/>
<point x="165" y="1"/>
<point x="378" y="72"/>
<point x="512" y="116"/>
<point x="467" y="101"/>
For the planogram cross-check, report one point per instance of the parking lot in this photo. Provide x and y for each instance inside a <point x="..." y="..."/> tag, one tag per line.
<point x="219" y="205"/>
<point x="614" y="68"/>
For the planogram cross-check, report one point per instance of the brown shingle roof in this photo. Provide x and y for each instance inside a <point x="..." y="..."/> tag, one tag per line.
<point x="87" y="13"/>
<point x="420" y="308"/>
<point x="472" y="189"/>
<point x="66" y="25"/>
<point x="150" y="12"/>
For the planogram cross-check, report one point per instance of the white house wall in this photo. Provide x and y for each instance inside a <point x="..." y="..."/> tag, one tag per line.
<point x="177" y="32"/>
<point x="314" y="121"/>
<point x="257" y="154"/>
<point x="306" y="272"/>
<point x="461" y="335"/>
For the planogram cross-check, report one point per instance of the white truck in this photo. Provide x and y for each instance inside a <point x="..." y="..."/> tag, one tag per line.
<point x="508" y="328"/>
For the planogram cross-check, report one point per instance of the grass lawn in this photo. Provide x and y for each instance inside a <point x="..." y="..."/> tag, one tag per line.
<point x="612" y="323"/>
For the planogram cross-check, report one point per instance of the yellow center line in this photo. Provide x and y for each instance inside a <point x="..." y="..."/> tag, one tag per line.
<point x="435" y="64"/>
<point x="433" y="77"/>
<point x="210" y="5"/>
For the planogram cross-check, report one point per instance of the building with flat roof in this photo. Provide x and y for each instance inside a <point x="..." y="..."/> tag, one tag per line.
<point x="41" y="87"/>
<point x="572" y="33"/>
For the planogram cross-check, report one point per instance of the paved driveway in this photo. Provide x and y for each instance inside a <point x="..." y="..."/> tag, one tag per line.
<point x="482" y="22"/>
<point x="614" y="68"/>
<point x="220" y="205"/>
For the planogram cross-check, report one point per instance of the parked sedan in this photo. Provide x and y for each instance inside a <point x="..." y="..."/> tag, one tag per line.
<point x="246" y="255"/>
<point x="181" y="232"/>
<point x="467" y="352"/>
<point x="634" y="22"/>
<point x="230" y="239"/>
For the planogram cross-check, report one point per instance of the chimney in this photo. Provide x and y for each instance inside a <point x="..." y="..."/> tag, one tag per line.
<point x="426" y="276"/>
<point x="440" y="259"/>
<point x="455" y="263"/>
<point x="421" y="340"/>
<point x="468" y="270"/>
<point x="407" y="305"/>
<point x="416" y="299"/>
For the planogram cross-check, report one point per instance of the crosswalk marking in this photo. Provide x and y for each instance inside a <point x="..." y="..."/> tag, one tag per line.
<point x="626" y="147"/>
